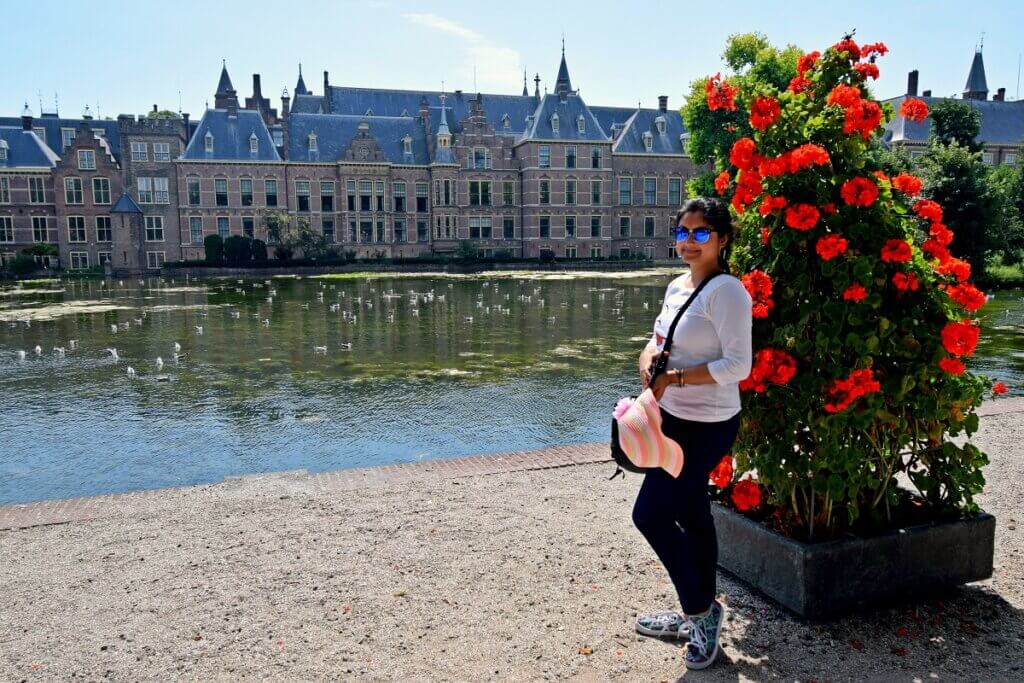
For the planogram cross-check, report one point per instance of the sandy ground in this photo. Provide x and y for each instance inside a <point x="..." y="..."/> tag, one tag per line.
<point x="501" y="577"/>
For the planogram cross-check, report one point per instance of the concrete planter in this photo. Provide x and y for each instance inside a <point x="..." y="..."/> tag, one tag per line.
<point x="822" y="580"/>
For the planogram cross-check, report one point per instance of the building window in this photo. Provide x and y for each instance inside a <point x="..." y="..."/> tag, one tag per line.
<point x="162" y="195"/>
<point x="508" y="227"/>
<point x="684" y="144"/>
<point x="139" y="152"/>
<point x="103" y="231"/>
<point x="278" y="137"/>
<point x="145" y="186"/>
<point x="40" y="133"/>
<point x="6" y="229"/>
<point x="326" y="196"/>
<point x="650" y="191"/>
<point x="351" y="231"/>
<point x="675" y="192"/>
<point x="570" y="227"/>
<point x="192" y="182"/>
<point x="76" y="229"/>
<point x="544" y="156"/>
<point x="623" y="226"/>
<point x="545" y="191"/>
<point x="407" y="145"/>
<point x="328" y="230"/>
<point x="67" y="137"/>
<point x="422" y="191"/>
<point x="155" y="259"/>
<point x="1010" y="158"/>
<point x="987" y="158"/>
<point x="154" y="228"/>
<point x="545" y="227"/>
<point x="481" y="158"/>
<point x="365" y="195"/>
<point x="447" y="183"/>
<point x="313" y="147"/>
<point x="508" y="193"/>
<point x="245" y="190"/>
<point x="350" y="194"/>
<point x="380" y="231"/>
<point x="421" y="231"/>
<point x="379" y="191"/>
<point x="36" y="195"/>
<point x="570" y="156"/>
<point x="79" y="260"/>
<point x="595" y="157"/>
<point x="581" y="124"/>
<point x="648" y="141"/>
<point x="365" y="231"/>
<point x="254" y="144"/>
<point x="40" y="229"/>
<point x="570" y="192"/>
<point x="624" y="252"/>
<point x="479" y="193"/>
<point x="220" y="189"/>
<point x="103" y="258"/>
<point x="86" y="160"/>
<point x="270" y="189"/>
<point x="302" y="195"/>
<point x="208" y="140"/>
<point x="648" y="226"/>
<point x="570" y="252"/>
<point x="595" y="226"/>
<point x="399" y="230"/>
<point x="625" y="191"/>
<point x="73" y="191"/>
<point x="249" y="226"/>
<point x="554" y="124"/>
<point x="595" y="252"/>
<point x="398" y="197"/>
<point x="195" y="229"/>
<point x="161" y="151"/>
<point x="223" y="228"/>
<point x="474" y="228"/>
<point x="5" y="191"/>
<point x="595" y="192"/>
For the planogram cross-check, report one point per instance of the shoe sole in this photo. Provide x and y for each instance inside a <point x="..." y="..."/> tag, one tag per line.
<point x="644" y="631"/>
<point x="714" y="653"/>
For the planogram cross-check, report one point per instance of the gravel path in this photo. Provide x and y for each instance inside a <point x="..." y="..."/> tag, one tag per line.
<point x="504" y="577"/>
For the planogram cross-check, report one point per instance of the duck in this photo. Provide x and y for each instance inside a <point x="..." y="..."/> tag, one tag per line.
<point x="113" y="329"/>
<point x="73" y="344"/>
<point x="319" y="349"/>
<point x="199" y="329"/>
<point x="159" y="363"/>
<point x="39" y="350"/>
<point x="346" y="346"/>
<point x="59" y="350"/>
<point x="113" y="354"/>
<point x="131" y="372"/>
<point x="177" y="347"/>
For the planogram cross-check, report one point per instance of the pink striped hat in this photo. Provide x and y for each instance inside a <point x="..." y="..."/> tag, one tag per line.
<point x="640" y="436"/>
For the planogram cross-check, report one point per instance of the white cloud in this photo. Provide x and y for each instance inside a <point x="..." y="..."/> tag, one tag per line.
<point x="497" y="68"/>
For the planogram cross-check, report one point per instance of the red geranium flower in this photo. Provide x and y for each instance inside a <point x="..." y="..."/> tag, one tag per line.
<point x="721" y="476"/>
<point x="844" y="392"/>
<point x="896" y="251"/>
<point x="905" y="281"/>
<point x="859" y="191"/>
<point x="967" y="295"/>
<point x="936" y="250"/>
<point x="722" y="182"/>
<point x="909" y="185"/>
<point x="765" y="235"/>
<point x="849" y="47"/>
<point x="866" y="70"/>
<point x="960" y="338"/>
<point x="763" y="112"/>
<point x="928" y="210"/>
<point x="829" y="208"/>
<point x="806" y="62"/>
<point x="873" y="48"/>
<point x="830" y="246"/>
<point x="743" y="154"/>
<point x="862" y="117"/>
<point x="770" y="366"/>
<point x="759" y="285"/>
<point x="802" y="216"/>
<point x="855" y="293"/>
<point x="844" y="96"/>
<point x="941" y="233"/>
<point x="958" y="268"/>
<point x="720" y="94"/>
<point x="999" y="388"/>
<point x="914" y="110"/>
<point x="770" y="204"/>
<point x="746" y="495"/>
<point x="953" y="366"/>
<point x="799" y="84"/>
<point x="805" y="156"/>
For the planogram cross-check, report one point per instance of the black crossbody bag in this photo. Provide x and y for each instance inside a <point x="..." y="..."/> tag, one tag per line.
<point x="658" y="366"/>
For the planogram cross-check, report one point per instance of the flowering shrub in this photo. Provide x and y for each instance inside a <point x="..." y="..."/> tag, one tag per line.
<point x="862" y="318"/>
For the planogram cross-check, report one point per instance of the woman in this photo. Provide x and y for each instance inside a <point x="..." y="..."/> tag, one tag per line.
<point x="700" y="405"/>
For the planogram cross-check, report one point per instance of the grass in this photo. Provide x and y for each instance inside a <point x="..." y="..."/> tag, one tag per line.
<point x="1000" y="276"/>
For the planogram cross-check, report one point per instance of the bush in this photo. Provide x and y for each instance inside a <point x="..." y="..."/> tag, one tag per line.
<point x="23" y="265"/>
<point x="213" y="245"/>
<point x="547" y="256"/>
<point x="238" y="250"/>
<point x="860" y="323"/>
<point x="259" y="251"/>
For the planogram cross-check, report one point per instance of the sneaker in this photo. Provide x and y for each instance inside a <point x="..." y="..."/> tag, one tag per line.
<point x="663" y="624"/>
<point x="704" y="631"/>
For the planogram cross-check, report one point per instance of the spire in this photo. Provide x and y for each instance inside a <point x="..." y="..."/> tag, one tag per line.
<point x="300" y="85"/>
<point x="224" y="85"/>
<point x="442" y="128"/>
<point x="536" y="87"/>
<point x="562" y="84"/>
<point x="977" y="86"/>
<point x="526" y="93"/>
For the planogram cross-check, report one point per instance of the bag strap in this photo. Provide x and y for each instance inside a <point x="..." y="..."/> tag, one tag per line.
<point x="682" y="309"/>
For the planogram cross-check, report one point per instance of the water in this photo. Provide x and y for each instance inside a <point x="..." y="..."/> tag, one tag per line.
<point x="248" y="396"/>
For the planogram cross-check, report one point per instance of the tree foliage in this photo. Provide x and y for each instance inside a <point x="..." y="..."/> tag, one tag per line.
<point x="954" y="121"/>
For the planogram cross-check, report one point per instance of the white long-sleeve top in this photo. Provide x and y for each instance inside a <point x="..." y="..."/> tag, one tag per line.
<point x="716" y="330"/>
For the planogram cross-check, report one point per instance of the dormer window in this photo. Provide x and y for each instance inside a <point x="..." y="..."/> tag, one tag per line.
<point x="3" y="150"/>
<point x="616" y="129"/>
<point x="254" y="144"/>
<point x="684" y="141"/>
<point x="209" y="142"/>
<point x="407" y="145"/>
<point x="581" y="124"/>
<point x="278" y="137"/>
<point x="660" y="123"/>
<point x="529" y="121"/>
<point x="312" y="143"/>
<point x="554" y="124"/>
<point x="506" y="122"/>
<point x="648" y="140"/>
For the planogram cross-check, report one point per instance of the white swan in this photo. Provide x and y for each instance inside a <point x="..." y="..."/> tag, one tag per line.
<point x="39" y="350"/>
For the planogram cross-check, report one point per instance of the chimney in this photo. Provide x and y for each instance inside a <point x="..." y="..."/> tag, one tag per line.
<point x="26" y="118"/>
<point x="1000" y="95"/>
<point x="926" y="93"/>
<point x="912" y="83"/>
<point x="232" y="107"/>
<point x="188" y="133"/>
<point x="257" y="94"/>
<point x="662" y="102"/>
<point x="327" y="83"/>
<point x="285" y="100"/>
<point x="425" y="112"/>
<point x="155" y="110"/>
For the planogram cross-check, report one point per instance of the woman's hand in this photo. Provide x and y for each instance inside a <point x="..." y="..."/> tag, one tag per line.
<point x="661" y="382"/>
<point x="647" y="357"/>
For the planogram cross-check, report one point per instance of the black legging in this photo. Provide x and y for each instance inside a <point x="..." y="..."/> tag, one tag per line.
<point x="674" y="515"/>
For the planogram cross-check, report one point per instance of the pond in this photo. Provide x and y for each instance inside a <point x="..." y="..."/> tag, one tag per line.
<point x="325" y="373"/>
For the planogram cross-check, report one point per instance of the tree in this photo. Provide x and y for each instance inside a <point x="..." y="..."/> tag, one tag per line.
<point x="23" y="265"/>
<point x="312" y="244"/>
<point x="279" y="230"/>
<point x="259" y="251"/>
<point x="957" y="179"/>
<point x="466" y="251"/>
<point x="164" y="113"/>
<point x="1005" y="236"/>
<point x="238" y="250"/>
<point x="213" y="245"/>
<point x="954" y="121"/>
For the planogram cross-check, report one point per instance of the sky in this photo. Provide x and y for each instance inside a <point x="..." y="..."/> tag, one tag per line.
<point x="120" y="57"/>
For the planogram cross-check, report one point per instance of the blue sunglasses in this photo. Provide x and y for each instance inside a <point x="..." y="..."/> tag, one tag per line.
<point x="700" y="235"/>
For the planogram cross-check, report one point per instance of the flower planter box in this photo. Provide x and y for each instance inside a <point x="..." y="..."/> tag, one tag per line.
<point x="822" y="580"/>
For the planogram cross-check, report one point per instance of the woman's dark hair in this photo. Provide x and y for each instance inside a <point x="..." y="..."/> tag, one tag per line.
<point x="716" y="213"/>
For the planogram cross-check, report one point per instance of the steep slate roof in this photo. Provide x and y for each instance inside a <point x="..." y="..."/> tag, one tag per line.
<point x="52" y="125"/>
<point x="307" y="104"/>
<point x="334" y="133"/>
<point x="1002" y="123"/>
<point x="606" y="116"/>
<point x="300" y="85"/>
<point x="976" y="78"/>
<point x="231" y="137"/>
<point x="224" y="84"/>
<point x="25" y="149"/>
<point x="562" y="81"/>
<point x="125" y="204"/>
<point x="568" y="110"/>
<point x="631" y="139"/>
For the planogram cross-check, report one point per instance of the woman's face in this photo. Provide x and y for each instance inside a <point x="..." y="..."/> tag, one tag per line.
<point x="703" y="256"/>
